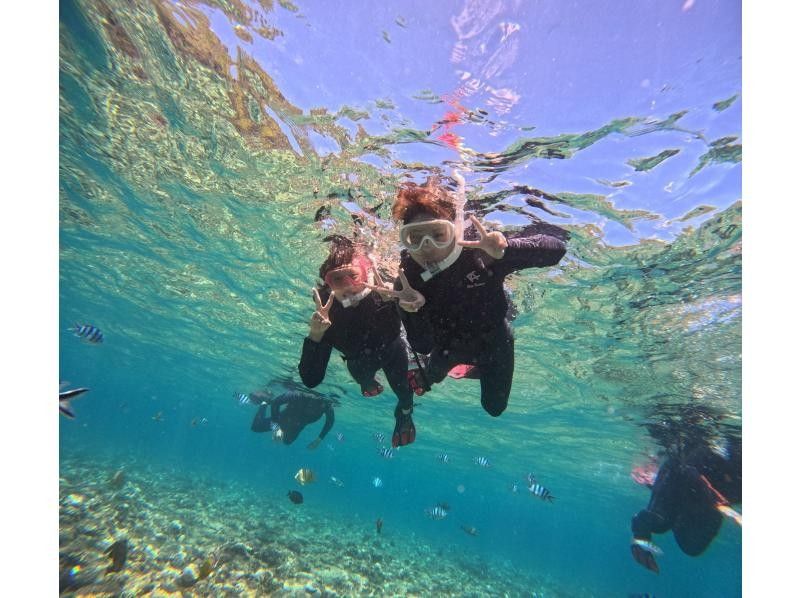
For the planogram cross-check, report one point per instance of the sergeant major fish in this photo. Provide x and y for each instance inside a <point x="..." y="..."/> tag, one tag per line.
<point x="541" y="492"/>
<point x="482" y="461"/>
<point x="87" y="332"/>
<point x="386" y="452"/>
<point x="436" y="513"/>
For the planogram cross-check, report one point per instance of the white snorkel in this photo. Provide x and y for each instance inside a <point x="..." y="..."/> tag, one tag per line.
<point x="432" y="270"/>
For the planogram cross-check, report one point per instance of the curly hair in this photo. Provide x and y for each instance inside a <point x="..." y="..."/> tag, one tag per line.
<point x="430" y="199"/>
<point x="343" y="251"/>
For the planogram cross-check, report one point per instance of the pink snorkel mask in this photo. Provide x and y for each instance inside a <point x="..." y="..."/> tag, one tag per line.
<point x="347" y="277"/>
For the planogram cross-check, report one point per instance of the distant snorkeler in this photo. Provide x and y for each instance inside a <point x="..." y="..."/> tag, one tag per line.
<point x="695" y="488"/>
<point x="363" y="326"/>
<point x="450" y="289"/>
<point x="299" y="410"/>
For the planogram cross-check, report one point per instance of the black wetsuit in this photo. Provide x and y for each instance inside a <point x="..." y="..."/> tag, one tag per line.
<point x="301" y="409"/>
<point x="368" y="336"/>
<point x="464" y="316"/>
<point x="682" y="500"/>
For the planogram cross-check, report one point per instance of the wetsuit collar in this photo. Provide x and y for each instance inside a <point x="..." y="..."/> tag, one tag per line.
<point x="433" y="269"/>
<point x="353" y="300"/>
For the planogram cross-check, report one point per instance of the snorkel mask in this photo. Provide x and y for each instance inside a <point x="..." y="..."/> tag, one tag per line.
<point x="341" y="280"/>
<point x="435" y="233"/>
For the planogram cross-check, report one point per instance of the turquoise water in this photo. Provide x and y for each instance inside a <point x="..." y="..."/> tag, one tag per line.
<point x="193" y="161"/>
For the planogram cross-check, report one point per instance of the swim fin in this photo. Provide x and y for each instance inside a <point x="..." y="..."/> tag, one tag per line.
<point x="404" y="430"/>
<point x="464" y="370"/>
<point x="374" y="391"/>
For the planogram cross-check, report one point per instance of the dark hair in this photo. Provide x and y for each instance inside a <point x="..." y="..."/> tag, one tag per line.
<point x="430" y="199"/>
<point x="342" y="252"/>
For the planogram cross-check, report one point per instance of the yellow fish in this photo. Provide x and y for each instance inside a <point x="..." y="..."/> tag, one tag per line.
<point x="304" y="476"/>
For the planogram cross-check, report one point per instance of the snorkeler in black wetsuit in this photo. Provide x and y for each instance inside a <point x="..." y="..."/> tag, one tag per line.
<point x="451" y="292"/>
<point x="690" y="496"/>
<point x="300" y="410"/>
<point x="364" y="327"/>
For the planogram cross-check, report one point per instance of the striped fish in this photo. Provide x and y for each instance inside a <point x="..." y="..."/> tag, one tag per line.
<point x="541" y="492"/>
<point x="444" y="458"/>
<point x="242" y="398"/>
<point x="339" y="436"/>
<point x="386" y="452"/>
<point x="88" y="332"/>
<point x="379" y="437"/>
<point x="482" y="461"/>
<point x="377" y="482"/>
<point x="436" y="513"/>
<point x="514" y="487"/>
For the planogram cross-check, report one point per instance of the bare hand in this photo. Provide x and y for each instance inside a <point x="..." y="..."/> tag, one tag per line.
<point x="410" y="300"/>
<point x="320" y="320"/>
<point x="494" y="243"/>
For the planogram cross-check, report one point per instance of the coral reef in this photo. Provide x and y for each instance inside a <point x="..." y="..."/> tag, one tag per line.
<point x="196" y="537"/>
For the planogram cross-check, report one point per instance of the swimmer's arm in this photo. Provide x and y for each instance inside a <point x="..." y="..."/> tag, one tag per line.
<point x="538" y="251"/>
<point x="314" y="361"/>
<point x="329" y="419"/>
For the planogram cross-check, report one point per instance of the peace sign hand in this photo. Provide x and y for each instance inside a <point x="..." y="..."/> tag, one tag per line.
<point x="320" y="321"/>
<point x="409" y="299"/>
<point x="493" y="243"/>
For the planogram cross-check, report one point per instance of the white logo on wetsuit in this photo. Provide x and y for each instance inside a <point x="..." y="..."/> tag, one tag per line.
<point x="473" y="277"/>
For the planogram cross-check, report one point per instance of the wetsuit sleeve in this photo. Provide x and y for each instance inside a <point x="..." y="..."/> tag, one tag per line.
<point x="329" y="418"/>
<point x="314" y="361"/>
<point x="538" y="251"/>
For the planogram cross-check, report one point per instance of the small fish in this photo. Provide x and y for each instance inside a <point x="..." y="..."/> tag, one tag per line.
<point x="386" y="452"/>
<point x="436" y="513"/>
<point x="482" y="461"/>
<point x="88" y="332"/>
<point x="469" y="530"/>
<point x="444" y="458"/>
<point x="377" y="482"/>
<point x="379" y="437"/>
<point x="514" y="487"/>
<point x="295" y="497"/>
<point x="242" y="398"/>
<point x="337" y="482"/>
<point x="274" y="427"/>
<point x="158" y="417"/>
<point x="378" y="524"/>
<point x="339" y="436"/>
<point x="531" y="479"/>
<point x="118" y="552"/>
<point x="199" y="421"/>
<point x="65" y="397"/>
<point x="305" y="476"/>
<point x="648" y="546"/>
<point x="541" y="492"/>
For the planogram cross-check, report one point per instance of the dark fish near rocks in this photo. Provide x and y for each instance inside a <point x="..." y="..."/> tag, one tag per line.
<point x="295" y="497"/>
<point x="118" y="552"/>
<point x="470" y="530"/>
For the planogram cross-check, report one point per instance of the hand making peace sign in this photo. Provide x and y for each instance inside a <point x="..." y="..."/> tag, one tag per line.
<point x="493" y="243"/>
<point x="409" y="299"/>
<point x="320" y="321"/>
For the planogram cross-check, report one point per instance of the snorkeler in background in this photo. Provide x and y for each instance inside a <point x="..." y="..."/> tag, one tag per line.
<point x="451" y="290"/>
<point x="364" y="327"/>
<point x="693" y="490"/>
<point x="299" y="410"/>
